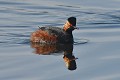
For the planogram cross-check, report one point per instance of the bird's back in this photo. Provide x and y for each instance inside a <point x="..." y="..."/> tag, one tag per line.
<point x="49" y="35"/>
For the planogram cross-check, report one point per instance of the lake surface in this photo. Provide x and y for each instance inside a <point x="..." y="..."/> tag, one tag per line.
<point x="98" y="22"/>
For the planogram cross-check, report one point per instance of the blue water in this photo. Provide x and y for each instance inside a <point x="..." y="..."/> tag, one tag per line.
<point x="98" y="22"/>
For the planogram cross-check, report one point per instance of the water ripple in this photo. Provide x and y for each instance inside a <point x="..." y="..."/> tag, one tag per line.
<point x="11" y="3"/>
<point x="99" y="24"/>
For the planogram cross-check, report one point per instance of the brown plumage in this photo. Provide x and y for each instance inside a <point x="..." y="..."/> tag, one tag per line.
<point x="43" y="37"/>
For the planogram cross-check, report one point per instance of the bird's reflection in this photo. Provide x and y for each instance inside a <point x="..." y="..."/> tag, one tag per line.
<point x="68" y="57"/>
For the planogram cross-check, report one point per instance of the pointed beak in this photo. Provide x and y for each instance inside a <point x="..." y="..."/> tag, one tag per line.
<point x="74" y="59"/>
<point x="75" y="27"/>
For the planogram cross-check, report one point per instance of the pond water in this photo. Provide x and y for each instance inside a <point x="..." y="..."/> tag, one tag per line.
<point x="98" y="22"/>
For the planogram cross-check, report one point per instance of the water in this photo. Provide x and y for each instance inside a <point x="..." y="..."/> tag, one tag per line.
<point x="98" y="20"/>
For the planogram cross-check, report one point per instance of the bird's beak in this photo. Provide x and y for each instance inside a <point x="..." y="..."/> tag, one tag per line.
<point x="75" y="27"/>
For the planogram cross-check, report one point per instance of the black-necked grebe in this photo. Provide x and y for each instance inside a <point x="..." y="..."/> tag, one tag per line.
<point x="53" y="35"/>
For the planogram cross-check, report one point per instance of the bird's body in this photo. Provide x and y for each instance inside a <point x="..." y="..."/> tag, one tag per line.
<point x="53" y="35"/>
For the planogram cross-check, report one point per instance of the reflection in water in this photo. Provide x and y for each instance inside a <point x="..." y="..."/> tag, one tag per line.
<point x="46" y="49"/>
<point x="69" y="58"/>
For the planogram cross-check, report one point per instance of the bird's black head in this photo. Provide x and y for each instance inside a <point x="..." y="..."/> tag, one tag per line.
<point x="72" y="21"/>
<point x="70" y="24"/>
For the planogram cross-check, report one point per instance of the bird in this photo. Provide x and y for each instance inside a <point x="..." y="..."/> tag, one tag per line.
<point x="54" y="35"/>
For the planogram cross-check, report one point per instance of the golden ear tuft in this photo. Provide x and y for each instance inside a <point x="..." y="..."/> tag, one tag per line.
<point x="67" y="25"/>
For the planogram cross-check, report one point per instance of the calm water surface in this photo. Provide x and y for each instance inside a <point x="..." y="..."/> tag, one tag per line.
<point x="98" y="20"/>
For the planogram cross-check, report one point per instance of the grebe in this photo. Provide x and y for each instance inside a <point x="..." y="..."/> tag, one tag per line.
<point x="53" y="35"/>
